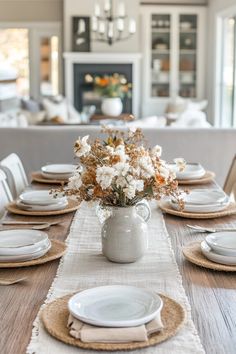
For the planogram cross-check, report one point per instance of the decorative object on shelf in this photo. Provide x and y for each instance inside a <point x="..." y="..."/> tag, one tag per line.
<point x="81" y="34"/>
<point x="112" y="89"/>
<point x="119" y="172"/>
<point x="109" y="27"/>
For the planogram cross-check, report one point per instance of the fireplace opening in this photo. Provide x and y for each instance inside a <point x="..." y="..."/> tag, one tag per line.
<point x="84" y="92"/>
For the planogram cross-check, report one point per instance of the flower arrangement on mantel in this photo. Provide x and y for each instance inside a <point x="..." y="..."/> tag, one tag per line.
<point x="120" y="171"/>
<point x="112" y="86"/>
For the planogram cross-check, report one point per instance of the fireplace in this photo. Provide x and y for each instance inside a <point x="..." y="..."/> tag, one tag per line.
<point x="84" y="93"/>
<point x="80" y="92"/>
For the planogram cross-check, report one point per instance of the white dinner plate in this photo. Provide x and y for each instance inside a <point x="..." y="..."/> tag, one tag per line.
<point x="50" y="207"/>
<point x="27" y="257"/>
<point x="59" y="169"/>
<point x="55" y="176"/>
<point x="191" y="171"/>
<point x="40" y="197"/>
<point x="205" y="196"/>
<point x="205" y="208"/>
<point x="115" y="306"/>
<point x="223" y="243"/>
<point x="215" y="257"/>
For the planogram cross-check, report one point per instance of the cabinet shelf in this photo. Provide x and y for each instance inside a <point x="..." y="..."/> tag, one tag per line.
<point x="160" y="30"/>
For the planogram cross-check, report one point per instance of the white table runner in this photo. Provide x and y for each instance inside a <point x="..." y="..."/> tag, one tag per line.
<point x="83" y="266"/>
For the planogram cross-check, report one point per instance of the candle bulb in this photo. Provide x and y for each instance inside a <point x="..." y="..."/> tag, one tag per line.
<point x="97" y="10"/>
<point x="110" y="30"/>
<point x="81" y="26"/>
<point x="132" y="26"/>
<point x="94" y="24"/>
<point x="101" y="27"/>
<point x="120" y="24"/>
<point x="121" y="9"/>
<point x="107" y="5"/>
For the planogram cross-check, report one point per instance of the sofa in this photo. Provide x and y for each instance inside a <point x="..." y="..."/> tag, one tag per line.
<point x="37" y="146"/>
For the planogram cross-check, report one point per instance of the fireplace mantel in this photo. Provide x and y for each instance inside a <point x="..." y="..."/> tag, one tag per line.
<point x="72" y="58"/>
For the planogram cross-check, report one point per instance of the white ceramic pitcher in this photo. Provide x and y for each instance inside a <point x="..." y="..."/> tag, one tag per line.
<point x="125" y="233"/>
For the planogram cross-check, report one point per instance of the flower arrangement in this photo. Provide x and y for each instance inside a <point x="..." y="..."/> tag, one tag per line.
<point x="112" y="86"/>
<point x="120" y="171"/>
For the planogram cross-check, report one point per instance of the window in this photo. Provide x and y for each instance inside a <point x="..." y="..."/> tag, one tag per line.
<point x="227" y="96"/>
<point x="14" y="53"/>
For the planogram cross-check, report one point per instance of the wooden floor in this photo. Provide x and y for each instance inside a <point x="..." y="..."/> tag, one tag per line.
<point x="212" y="295"/>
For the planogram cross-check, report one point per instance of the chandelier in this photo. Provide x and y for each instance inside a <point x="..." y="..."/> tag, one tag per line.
<point x="109" y="27"/>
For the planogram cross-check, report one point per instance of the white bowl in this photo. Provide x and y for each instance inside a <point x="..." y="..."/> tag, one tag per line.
<point x="215" y="257"/>
<point x="194" y="208"/>
<point x="35" y="207"/>
<point x="40" y="197"/>
<point x="115" y="306"/>
<point x="223" y="243"/>
<point x="57" y="169"/>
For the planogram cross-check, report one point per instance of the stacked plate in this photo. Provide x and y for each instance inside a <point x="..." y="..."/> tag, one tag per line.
<point x="23" y="245"/>
<point x="220" y="247"/>
<point x="192" y="171"/>
<point x="58" y="171"/>
<point x="115" y="306"/>
<point x="41" y="201"/>
<point x="203" y="201"/>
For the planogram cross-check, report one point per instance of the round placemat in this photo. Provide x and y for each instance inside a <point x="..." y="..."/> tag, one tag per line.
<point x="72" y="206"/>
<point x="208" y="177"/>
<point x="230" y="210"/>
<point x="55" y="315"/>
<point x="38" y="177"/>
<point x="56" y="251"/>
<point x="194" y="255"/>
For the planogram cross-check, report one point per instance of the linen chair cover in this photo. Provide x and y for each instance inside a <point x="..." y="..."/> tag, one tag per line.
<point x="14" y="170"/>
<point x="5" y="193"/>
<point x="230" y="182"/>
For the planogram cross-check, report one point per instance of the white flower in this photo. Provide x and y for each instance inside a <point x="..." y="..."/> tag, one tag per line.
<point x="181" y="163"/>
<point x="104" y="176"/>
<point x="121" y="168"/>
<point x="129" y="191"/>
<point x="121" y="182"/>
<point x="110" y="149"/>
<point x="156" y="151"/>
<point x="75" y="182"/>
<point x="139" y="185"/>
<point x="120" y="151"/>
<point x="82" y="148"/>
<point x="146" y="167"/>
<point x="164" y="172"/>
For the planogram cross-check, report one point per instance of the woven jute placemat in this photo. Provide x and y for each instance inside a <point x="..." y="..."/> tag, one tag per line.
<point x="57" y="250"/>
<point x="55" y="315"/>
<point x="194" y="255"/>
<point x="72" y="206"/>
<point x="38" y="177"/>
<point x="207" y="178"/>
<point x="230" y="210"/>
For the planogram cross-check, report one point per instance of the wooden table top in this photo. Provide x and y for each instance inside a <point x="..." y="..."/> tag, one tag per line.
<point x="212" y="295"/>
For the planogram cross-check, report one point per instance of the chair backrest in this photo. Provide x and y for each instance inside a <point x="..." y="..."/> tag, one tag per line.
<point x="230" y="182"/>
<point x="16" y="177"/>
<point x="5" y="193"/>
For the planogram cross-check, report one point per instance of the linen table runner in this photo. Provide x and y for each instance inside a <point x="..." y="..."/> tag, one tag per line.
<point x="84" y="266"/>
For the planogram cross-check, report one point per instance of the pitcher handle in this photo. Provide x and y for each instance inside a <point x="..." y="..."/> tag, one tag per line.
<point x="144" y="206"/>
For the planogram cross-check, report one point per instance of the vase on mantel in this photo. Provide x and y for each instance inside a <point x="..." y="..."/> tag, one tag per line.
<point x="125" y="233"/>
<point x="112" y="106"/>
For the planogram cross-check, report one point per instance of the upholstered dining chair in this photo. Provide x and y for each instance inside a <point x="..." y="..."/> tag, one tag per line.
<point x="15" y="172"/>
<point x="5" y="193"/>
<point x="230" y="182"/>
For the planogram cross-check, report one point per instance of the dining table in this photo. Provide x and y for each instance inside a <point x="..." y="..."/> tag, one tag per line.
<point x="211" y="294"/>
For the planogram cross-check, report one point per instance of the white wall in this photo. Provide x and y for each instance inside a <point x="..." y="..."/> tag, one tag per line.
<point x="215" y="7"/>
<point x="86" y="8"/>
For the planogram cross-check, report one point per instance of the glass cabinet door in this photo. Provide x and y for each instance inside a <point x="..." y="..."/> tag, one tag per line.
<point x="188" y="26"/>
<point x="160" y="55"/>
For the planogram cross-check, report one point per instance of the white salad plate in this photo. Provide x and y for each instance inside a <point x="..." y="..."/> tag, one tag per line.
<point x="40" y="197"/>
<point x="205" y="208"/>
<point x="191" y="171"/>
<point x="115" y="306"/>
<point x="27" y="257"/>
<point x="215" y="257"/>
<point x="223" y="243"/>
<point x="49" y="207"/>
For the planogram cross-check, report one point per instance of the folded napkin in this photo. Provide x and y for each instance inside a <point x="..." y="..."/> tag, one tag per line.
<point x="88" y="333"/>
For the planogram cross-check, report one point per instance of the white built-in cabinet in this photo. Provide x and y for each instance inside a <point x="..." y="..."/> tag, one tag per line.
<point x="174" y="60"/>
